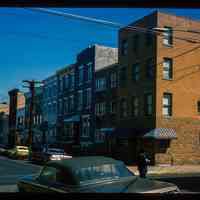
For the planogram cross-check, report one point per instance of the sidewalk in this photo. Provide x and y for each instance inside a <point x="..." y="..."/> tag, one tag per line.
<point x="167" y="170"/>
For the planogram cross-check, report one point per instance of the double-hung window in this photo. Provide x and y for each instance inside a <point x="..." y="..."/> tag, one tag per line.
<point x="89" y="71"/>
<point x="72" y="80"/>
<point x="167" y="68"/>
<point x="168" y="36"/>
<point x="100" y="84"/>
<point x="81" y="74"/>
<point x="136" y="71"/>
<point x="88" y="97"/>
<point x="135" y="106"/>
<point x="113" y="79"/>
<point x="80" y="100"/>
<point x="124" y="108"/>
<point x="167" y="104"/>
<point x="148" y="104"/>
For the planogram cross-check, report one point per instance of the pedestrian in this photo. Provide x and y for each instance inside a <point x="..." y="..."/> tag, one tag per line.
<point x="143" y="162"/>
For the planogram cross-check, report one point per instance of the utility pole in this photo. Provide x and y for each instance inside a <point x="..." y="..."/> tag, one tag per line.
<point x="31" y="86"/>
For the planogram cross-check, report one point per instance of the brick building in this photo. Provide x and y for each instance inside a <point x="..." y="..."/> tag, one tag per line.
<point x="106" y="98"/>
<point x="49" y="108"/>
<point x="159" y="103"/>
<point x="76" y="96"/>
<point x="37" y="115"/>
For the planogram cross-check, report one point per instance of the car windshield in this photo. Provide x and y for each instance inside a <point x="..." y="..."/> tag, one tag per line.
<point x="102" y="172"/>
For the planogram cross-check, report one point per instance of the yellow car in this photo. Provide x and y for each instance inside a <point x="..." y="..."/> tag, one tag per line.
<point x="19" y="152"/>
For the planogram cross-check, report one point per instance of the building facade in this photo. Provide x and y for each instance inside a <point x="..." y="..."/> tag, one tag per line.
<point x="76" y="96"/>
<point x="106" y="98"/>
<point x="158" y="90"/>
<point x="49" y="108"/>
<point x="37" y="115"/>
<point x="4" y="119"/>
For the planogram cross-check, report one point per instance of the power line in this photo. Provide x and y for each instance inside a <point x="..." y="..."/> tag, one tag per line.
<point x="106" y="22"/>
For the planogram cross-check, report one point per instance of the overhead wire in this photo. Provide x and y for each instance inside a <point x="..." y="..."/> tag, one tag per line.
<point x="106" y="22"/>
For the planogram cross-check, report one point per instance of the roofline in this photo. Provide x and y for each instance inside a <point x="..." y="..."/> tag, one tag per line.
<point x="106" y="67"/>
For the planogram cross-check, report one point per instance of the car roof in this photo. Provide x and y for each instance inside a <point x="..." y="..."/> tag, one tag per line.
<point x="83" y="162"/>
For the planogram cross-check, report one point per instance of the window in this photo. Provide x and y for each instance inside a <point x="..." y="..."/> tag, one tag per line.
<point x="198" y="107"/>
<point x="69" y="130"/>
<point x="99" y="136"/>
<point x="81" y="75"/>
<point x="71" y="103"/>
<point x="66" y="81"/>
<point x="63" y="83"/>
<point x="135" y="42"/>
<point x="123" y="107"/>
<point x="167" y="68"/>
<point x="80" y="100"/>
<point x="136" y="72"/>
<point x="150" y="68"/>
<point x="148" y="108"/>
<point x="85" y="126"/>
<point x="60" y="106"/>
<point x="113" y="107"/>
<point x="123" y="72"/>
<point x="66" y="105"/>
<point x="113" y="80"/>
<point x="124" y="49"/>
<point x="100" y="108"/>
<point x="100" y="84"/>
<point x="89" y="71"/>
<point x="72" y="80"/>
<point x="88" y="97"/>
<point x="135" y="106"/>
<point x="167" y="104"/>
<point x="168" y="36"/>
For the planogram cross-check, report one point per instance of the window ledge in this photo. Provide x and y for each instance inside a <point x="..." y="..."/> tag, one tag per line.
<point x="167" y="79"/>
<point x="168" y="45"/>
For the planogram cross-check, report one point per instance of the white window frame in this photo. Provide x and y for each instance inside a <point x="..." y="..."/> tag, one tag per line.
<point x="100" y="84"/>
<point x="135" y="106"/>
<point x="167" y="104"/>
<point x="167" y="68"/>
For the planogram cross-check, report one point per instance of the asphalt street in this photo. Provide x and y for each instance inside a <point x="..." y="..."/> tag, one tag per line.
<point x="12" y="170"/>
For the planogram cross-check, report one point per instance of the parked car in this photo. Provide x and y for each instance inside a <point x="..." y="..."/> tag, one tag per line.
<point x="3" y="148"/>
<point x="18" y="152"/>
<point x="44" y="155"/>
<point x="91" y="174"/>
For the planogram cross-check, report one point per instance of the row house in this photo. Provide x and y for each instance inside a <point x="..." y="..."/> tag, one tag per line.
<point x="76" y="96"/>
<point x="4" y="114"/>
<point x="37" y="115"/>
<point x="16" y="104"/>
<point x="106" y="100"/>
<point x="159" y="101"/>
<point x="49" y="108"/>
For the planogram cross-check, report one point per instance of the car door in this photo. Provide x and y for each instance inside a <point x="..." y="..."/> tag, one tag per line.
<point x="46" y="178"/>
<point x="63" y="183"/>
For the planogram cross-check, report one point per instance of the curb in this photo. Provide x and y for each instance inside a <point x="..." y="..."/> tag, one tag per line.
<point x="173" y="175"/>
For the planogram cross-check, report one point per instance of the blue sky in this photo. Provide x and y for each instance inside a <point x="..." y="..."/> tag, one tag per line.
<point x="34" y="45"/>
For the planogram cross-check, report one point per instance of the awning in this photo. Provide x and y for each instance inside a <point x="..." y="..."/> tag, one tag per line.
<point x="75" y="118"/>
<point x="161" y="133"/>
